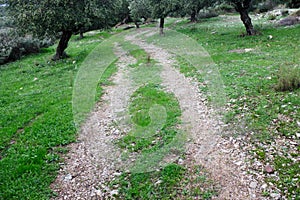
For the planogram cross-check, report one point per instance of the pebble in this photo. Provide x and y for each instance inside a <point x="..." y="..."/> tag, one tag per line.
<point x="114" y="192"/>
<point x="264" y="186"/>
<point x="275" y="195"/>
<point x="68" y="177"/>
<point x="269" y="169"/>
<point x="253" y="184"/>
<point x="180" y="161"/>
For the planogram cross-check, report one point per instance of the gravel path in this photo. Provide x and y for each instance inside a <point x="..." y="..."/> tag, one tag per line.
<point x="94" y="160"/>
<point x="221" y="158"/>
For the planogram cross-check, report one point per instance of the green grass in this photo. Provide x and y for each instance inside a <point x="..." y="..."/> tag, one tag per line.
<point x="171" y="182"/>
<point x="252" y="80"/>
<point x="141" y="102"/>
<point x="36" y="120"/>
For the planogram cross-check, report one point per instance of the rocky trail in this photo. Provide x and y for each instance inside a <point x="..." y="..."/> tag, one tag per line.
<point x="94" y="159"/>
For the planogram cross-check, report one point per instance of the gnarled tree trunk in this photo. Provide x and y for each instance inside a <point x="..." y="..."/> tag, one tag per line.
<point x="81" y="35"/>
<point x="136" y="24"/>
<point x="242" y="8"/>
<point x="161" y="25"/>
<point x="62" y="45"/>
<point x="193" y="16"/>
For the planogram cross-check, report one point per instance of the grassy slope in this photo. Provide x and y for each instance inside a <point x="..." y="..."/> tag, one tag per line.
<point x="36" y="118"/>
<point x="250" y="79"/>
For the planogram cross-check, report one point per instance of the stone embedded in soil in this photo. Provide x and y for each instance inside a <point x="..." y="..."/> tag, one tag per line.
<point x="269" y="169"/>
<point x="68" y="177"/>
<point x="253" y="185"/>
<point x="275" y="196"/>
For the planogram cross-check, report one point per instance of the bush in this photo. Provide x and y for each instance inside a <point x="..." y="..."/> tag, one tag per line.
<point x="266" y="6"/>
<point x="225" y="8"/>
<point x="288" y="78"/>
<point x="13" y="47"/>
<point x="207" y="13"/>
<point x="294" y="4"/>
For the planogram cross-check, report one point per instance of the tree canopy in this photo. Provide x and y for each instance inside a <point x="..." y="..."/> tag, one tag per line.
<point x="193" y="7"/>
<point x="48" y="18"/>
<point x="139" y="9"/>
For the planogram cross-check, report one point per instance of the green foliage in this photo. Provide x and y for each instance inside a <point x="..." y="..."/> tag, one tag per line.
<point x="140" y="9"/>
<point x="162" y="8"/>
<point x="207" y="13"/>
<point x="50" y="17"/>
<point x="293" y="4"/>
<point x="13" y="47"/>
<point x="196" y="5"/>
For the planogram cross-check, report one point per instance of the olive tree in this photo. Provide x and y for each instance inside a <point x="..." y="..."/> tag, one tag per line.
<point x="162" y="8"/>
<point x="242" y="7"/>
<point x="61" y="17"/>
<point x="139" y="9"/>
<point x="193" y="7"/>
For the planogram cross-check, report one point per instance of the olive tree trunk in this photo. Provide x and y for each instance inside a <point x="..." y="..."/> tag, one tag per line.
<point x="161" y="25"/>
<point x="242" y="8"/>
<point x="136" y="24"/>
<point x="62" y="45"/>
<point x="193" y="16"/>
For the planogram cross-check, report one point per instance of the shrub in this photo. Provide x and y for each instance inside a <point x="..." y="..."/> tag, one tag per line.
<point x="225" y="8"/>
<point x="207" y="13"/>
<point x="13" y="47"/>
<point x="288" y="78"/>
<point x="294" y="4"/>
<point x="266" y="6"/>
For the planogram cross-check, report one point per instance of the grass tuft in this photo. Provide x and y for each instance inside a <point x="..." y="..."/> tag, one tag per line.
<point x="288" y="79"/>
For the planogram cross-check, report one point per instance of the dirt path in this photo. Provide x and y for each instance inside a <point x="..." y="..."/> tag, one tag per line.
<point x="207" y="147"/>
<point x="94" y="159"/>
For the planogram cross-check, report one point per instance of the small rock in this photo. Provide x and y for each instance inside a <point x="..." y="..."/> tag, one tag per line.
<point x="158" y="182"/>
<point x="117" y="174"/>
<point x="98" y="193"/>
<point x="269" y="169"/>
<point x="253" y="184"/>
<point x="114" y="192"/>
<point x="68" y="177"/>
<point x="180" y="161"/>
<point x="239" y="163"/>
<point x="275" y="195"/>
<point x="264" y="186"/>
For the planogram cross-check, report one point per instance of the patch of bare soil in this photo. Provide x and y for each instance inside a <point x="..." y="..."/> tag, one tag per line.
<point x="222" y="158"/>
<point x="94" y="160"/>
